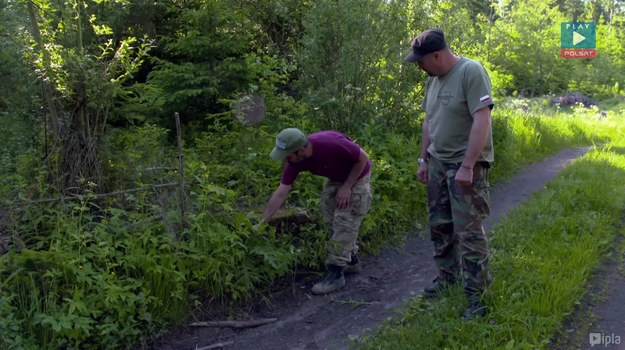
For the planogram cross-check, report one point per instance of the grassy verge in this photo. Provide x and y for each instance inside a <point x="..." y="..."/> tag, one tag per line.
<point x="543" y="256"/>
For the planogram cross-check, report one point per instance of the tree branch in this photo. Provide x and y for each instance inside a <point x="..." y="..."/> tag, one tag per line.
<point x="235" y="324"/>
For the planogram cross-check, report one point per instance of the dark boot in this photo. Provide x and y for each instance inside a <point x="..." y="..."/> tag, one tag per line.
<point x="476" y="308"/>
<point x="438" y="287"/>
<point x="353" y="266"/>
<point x="331" y="281"/>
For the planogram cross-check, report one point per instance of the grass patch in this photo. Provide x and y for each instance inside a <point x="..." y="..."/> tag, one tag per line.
<point x="542" y="257"/>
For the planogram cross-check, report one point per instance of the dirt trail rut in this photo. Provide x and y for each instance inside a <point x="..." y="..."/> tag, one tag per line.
<point x="385" y="283"/>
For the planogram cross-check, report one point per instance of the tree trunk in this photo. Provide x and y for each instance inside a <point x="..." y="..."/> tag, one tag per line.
<point x="80" y="162"/>
<point x="46" y="90"/>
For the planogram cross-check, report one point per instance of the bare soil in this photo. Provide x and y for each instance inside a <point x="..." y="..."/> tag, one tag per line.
<point x="387" y="280"/>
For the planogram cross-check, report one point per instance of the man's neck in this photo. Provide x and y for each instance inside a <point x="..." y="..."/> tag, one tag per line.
<point x="451" y="62"/>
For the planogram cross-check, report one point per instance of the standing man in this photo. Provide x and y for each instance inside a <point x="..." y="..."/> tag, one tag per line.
<point x="345" y="198"/>
<point x="456" y="152"/>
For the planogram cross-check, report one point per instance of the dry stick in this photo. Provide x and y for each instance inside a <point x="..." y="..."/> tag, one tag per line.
<point x="354" y="302"/>
<point x="45" y="125"/>
<point x="76" y="197"/>
<point x="215" y="346"/>
<point x="180" y="168"/>
<point x="235" y="324"/>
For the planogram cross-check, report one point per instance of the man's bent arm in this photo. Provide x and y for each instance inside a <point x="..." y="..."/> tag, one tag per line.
<point x="357" y="169"/>
<point x="276" y="200"/>
<point x="343" y="196"/>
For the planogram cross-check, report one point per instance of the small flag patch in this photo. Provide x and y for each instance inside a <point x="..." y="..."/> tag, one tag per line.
<point x="484" y="98"/>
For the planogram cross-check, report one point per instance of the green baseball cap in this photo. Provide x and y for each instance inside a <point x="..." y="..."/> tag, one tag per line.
<point x="288" y="141"/>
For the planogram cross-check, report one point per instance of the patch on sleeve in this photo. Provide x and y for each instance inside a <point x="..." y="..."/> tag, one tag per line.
<point x="484" y="98"/>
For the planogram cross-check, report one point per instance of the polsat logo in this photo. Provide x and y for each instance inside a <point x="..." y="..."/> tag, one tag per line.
<point x="578" y="40"/>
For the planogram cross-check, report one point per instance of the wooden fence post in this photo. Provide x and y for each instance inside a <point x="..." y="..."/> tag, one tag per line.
<point x="180" y="170"/>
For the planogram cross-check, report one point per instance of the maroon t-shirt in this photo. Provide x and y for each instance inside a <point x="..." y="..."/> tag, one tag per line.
<point x="334" y="156"/>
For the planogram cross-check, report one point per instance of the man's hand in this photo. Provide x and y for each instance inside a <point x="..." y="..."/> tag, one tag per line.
<point x="343" y="197"/>
<point x="260" y="226"/>
<point x="464" y="177"/>
<point x="422" y="173"/>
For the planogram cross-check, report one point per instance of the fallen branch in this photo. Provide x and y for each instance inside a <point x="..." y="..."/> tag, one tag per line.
<point x="354" y="302"/>
<point x="235" y="324"/>
<point x="215" y="346"/>
<point x="91" y="196"/>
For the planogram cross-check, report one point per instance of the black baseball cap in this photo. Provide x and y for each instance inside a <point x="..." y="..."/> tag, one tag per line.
<point x="429" y="41"/>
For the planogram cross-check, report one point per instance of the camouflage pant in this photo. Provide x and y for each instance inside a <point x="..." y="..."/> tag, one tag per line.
<point x="344" y="224"/>
<point x="456" y="215"/>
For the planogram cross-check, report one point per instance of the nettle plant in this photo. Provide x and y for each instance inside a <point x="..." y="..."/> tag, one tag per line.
<point x="110" y="277"/>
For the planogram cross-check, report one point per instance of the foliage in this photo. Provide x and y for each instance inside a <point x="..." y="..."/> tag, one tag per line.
<point x="201" y="62"/>
<point x="393" y="172"/>
<point x="206" y="63"/>
<point x="351" y="70"/>
<point x="525" y="43"/>
<point x="18" y="96"/>
<point x="82" y="66"/>
<point x="84" y="63"/>
<point x="603" y="75"/>
<point x="110" y="279"/>
<point x="138" y="155"/>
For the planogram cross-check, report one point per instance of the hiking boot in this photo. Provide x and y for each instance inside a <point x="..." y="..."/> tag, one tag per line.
<point x="473" y="310"/>
<point x="331" y="281"/>
<point x="437" y="288"/>
<point x="353" y="266"/>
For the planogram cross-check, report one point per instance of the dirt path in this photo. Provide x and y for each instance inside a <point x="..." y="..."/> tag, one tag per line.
<point x="608" y="308"/>
<point x="385" y="283"/>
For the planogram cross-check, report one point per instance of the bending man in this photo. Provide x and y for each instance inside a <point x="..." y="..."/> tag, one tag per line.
<point x="345" y="198"/>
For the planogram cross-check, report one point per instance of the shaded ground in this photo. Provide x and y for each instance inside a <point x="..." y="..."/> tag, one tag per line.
<point x="387" y="280"/>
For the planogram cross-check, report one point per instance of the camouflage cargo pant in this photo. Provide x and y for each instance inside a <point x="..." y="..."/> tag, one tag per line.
<point x="456" y="215"/>
<point x="344" y="224"/>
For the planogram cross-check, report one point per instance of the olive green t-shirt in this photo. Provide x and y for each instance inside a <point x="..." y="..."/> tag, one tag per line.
<point x="449" y="104"/>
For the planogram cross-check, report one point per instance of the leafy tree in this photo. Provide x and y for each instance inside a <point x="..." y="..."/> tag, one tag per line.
<point x="209" y="54"/>
<point x="351" y="60"/>
<point x="83" y="66"/>
<point x="280" y="23"/>
<point x="571" y="9"/>
<point x="202" y="61"/>
<point x="604" y="75"/>
<point x="477" y="8"/>
<point x="605" y="10"/>
<point x="18" y="96"/>
<point x="525" y="44"/>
